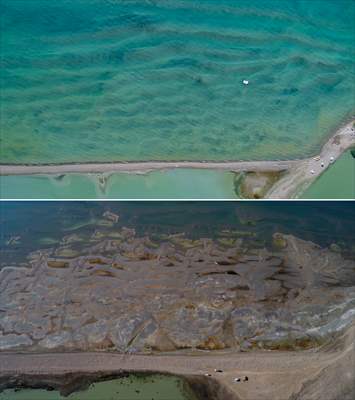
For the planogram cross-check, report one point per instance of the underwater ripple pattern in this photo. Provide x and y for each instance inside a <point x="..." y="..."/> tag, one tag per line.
<point x="111" y="80"/>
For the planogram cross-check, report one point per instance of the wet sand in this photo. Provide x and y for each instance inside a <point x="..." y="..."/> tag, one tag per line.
<point x="299" y="173"/>
<point x="327" y="373"/>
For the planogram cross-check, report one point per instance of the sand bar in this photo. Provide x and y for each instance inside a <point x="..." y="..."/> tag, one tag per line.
<point x="300" y="173"/>
<point x="144" y="167"/>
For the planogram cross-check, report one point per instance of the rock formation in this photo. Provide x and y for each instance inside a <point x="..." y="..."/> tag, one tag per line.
<point x="120" y="292"/>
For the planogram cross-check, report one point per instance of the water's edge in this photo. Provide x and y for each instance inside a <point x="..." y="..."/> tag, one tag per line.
<point x="202" y="388"/>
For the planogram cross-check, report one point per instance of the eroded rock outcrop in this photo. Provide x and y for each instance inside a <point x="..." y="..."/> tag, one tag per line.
<point x="137" y="294"/>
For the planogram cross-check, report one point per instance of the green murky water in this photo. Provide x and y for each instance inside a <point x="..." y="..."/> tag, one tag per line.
<point x="156" y="387"/>
<point x="176" y="183"/>
<point x="338" y="182"/>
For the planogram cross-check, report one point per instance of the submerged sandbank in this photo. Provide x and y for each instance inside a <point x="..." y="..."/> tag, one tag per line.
<point x="139" y="80"/>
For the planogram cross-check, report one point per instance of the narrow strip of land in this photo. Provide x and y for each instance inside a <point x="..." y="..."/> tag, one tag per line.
<point x="305" y="172"/>
<point x="271" y="375"/>
<point x="299" y="173"/>
<point x="144" y="167"/>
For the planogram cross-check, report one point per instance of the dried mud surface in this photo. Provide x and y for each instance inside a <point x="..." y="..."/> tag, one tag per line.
<point x="138" y="295"/>
<point x="116" y="303"/>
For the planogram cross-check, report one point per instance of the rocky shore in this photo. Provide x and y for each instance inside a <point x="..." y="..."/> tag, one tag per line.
<point x="210" y="310"/>
<point x="135" y="295"/>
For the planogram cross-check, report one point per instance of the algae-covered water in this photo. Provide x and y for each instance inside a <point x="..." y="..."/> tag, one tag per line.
<point x="155" y="387"/>
<point x="338" y="182"/>
<point x="105" y="80"/>
<point x="171" y="184"/>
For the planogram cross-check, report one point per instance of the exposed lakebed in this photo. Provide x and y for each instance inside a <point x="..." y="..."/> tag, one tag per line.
<point x="102" y="285"/>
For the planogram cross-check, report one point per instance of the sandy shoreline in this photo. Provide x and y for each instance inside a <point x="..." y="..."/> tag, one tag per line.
<point x="299" y="173"/>
<point x="271" y="375"/>
<point x="144" y="167"/>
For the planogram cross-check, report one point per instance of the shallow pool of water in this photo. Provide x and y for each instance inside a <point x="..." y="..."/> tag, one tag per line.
<point x="175" y="183"/>
<point x="338" y="182"/>
<point x="156" y="387"/>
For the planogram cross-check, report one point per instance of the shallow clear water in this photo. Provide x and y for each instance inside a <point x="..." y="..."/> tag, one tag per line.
<point x="105" y="80"/>
<point x="338" y="182"/>
<point x="172" y="184"/>
<point x="131" y="388"/>
<point x="40" y="225"/>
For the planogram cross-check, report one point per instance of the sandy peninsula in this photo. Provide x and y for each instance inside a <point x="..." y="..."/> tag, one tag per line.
<point x="296" y="176"/>
<point x="305" y="172"/>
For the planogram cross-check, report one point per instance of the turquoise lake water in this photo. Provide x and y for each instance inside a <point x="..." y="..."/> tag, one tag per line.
<point x="337" y="182"/>
<point x="171" y="184"/>
<point x="103" y="80"/>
